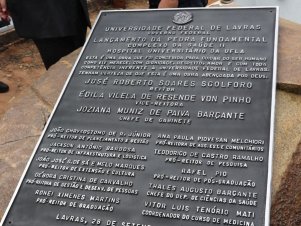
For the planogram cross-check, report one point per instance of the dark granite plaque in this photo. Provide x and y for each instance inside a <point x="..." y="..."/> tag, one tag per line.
<point x="166" y="119"/>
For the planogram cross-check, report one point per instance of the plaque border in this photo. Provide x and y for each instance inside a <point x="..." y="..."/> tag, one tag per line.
<point x="273" y="100"/>
<point x="272" y="123"/>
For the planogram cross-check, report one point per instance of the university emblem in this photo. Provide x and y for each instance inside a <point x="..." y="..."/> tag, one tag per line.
<point x="182" y="18"/>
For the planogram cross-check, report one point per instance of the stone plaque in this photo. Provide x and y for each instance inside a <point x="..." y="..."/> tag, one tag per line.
<point x="166" y="119"/>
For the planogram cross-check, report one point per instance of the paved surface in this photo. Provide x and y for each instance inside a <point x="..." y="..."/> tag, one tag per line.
<point x="23" y="123"/>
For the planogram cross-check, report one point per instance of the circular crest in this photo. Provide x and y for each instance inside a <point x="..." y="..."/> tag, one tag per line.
<point x="182" y="18"/>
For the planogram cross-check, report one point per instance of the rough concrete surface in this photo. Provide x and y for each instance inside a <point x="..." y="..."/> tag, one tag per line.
<point x="287" y="133"/>
<point x="22" y="124"/>
<point x="286" y="208"/>
<point x="289" y="56"/>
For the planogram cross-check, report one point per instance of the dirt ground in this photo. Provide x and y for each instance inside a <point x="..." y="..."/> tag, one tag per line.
<point x="21" y="65"/>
